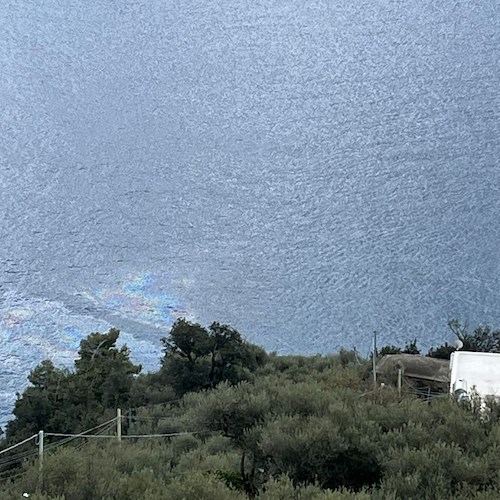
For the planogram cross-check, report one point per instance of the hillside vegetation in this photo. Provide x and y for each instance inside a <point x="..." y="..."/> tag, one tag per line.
<point x="247" y="425"/>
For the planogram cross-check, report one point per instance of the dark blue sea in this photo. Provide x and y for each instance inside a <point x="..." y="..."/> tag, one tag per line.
<point x="308" y="172"/>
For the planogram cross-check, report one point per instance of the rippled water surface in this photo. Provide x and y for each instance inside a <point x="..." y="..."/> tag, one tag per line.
<point x="306" y="171"/>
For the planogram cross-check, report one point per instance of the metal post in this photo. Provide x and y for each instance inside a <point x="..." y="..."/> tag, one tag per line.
<point x="40" y="460"/>
<point x="119" y="424"/>
<point x="374" y="359"/>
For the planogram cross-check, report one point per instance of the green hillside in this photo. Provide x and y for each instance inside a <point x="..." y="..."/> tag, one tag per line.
<point x="222" y="419"/>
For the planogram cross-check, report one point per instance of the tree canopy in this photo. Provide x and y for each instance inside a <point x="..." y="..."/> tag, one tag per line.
<point x="483" y="338"/>
<point x="198" y="358"/>
<point x="63" y="400"/>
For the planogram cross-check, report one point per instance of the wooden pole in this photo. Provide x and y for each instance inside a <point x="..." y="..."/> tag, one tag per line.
<point x="374" y="360"/>
<point x="119" y="424"/>
<point x="40" y="460"/>
<point x="400" y="380"/>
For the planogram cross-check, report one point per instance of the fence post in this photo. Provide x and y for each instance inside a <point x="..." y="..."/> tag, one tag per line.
<point x="40" y="460"/>
<point x="119" y="424"/>
<point x="400" y="379"/>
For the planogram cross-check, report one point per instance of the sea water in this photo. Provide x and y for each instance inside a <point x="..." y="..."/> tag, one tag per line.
<point x="309" y="172"/>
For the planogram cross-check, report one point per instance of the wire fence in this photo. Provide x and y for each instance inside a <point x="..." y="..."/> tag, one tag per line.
<point x="18" y="444"/>
<point x="101" y="431"/>
<point x="422" y="392"/>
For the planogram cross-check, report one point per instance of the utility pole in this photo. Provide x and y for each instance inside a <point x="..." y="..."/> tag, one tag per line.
<point x="119" y="424"/>
<point x="40" y="460"/>
<point x="374" y="359"/>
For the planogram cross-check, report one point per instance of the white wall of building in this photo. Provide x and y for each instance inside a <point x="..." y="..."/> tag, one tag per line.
<point x="477" y="371"/>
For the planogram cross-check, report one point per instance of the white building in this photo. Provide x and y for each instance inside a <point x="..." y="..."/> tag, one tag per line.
<point x="475" y="372"/>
